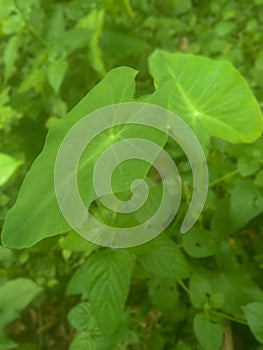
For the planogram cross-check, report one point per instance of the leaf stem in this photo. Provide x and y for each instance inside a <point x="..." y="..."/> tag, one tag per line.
<point x="183" y="285"/>
<point x="220" y="179"/>
<point x="228" y="317"/>
<point x="210" y="311"/>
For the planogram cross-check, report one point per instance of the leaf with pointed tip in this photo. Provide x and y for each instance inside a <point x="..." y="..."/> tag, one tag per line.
<point x="36" y="214"/>
<point x="211" y="96"/>
<point x="105" y="277"/>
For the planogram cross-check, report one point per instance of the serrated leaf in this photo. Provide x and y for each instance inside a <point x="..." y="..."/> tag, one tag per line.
<point x="80" y="317"/>
<point x="105" y="277"/>
<point x="211" y="96"/>
<point x="83" y="341"/>
<point x="254" y="316"/>
<point x="164" y="258"/>
<point x="208" y="333"/>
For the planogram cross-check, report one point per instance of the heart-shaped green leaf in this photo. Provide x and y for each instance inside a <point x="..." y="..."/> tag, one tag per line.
<point x="211" y="96"/>
<point x="36" y="213"/>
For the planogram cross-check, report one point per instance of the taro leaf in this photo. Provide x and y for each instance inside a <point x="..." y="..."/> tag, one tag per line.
<point x="211" y="96"/>
<point x="36" y="213"/>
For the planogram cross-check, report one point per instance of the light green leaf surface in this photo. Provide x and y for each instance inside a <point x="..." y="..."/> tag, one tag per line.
<point x="211" y="96"/>
<point x="36" y="213"/>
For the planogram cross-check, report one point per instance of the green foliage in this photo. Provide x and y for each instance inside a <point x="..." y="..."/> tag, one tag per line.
<point x="204" y="62"/>
<point x="208" y="332"/>
<point x="163" y="258"/>
<point x="210" y="95"/>
<point x="15" y="295"/>
<point x="105" y="277"/>
<point x="254" y="316"/>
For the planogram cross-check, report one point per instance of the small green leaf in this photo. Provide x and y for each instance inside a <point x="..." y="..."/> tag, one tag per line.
<point x="10" y="56"/>
<point x="200" y="290"/>
<point x="254" y="316"/>
<point x="247" y="166"/>
<point x="8" y="166"/>
<point x="217" y="300"/>
<point x="56" y="73"/>
<point x="15" y="295"/>
<point x="208" y="333"/>
<point x="163" y="294"/>
<point x="199" y="243"/>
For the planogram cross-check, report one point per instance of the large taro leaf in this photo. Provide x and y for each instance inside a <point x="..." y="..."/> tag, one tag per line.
<point x="36" y="214"/>
<point x="211" y="96"/>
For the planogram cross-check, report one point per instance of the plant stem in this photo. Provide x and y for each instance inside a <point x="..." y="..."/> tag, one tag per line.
<point x="217" y="313"/>
<point x="228" y="317"/>
<point x="183" y="285"/>
<point x="232" y="173"/>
